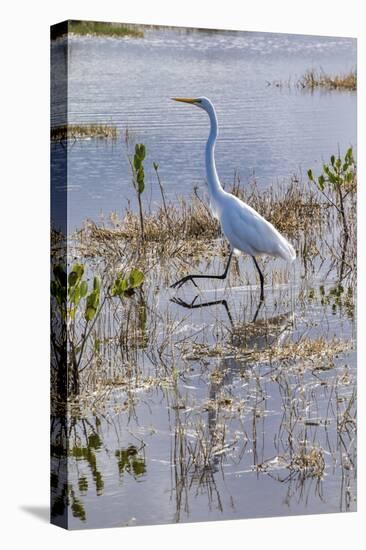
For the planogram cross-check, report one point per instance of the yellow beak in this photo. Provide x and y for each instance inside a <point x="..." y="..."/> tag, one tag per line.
<point x="184" y="99"/>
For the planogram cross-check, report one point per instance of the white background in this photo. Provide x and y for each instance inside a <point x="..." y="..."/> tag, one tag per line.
<point x="24" y="285"/>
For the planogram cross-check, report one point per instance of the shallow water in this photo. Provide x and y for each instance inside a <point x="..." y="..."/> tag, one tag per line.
<point x="211" y="425"/>
<point x="264" y="130"/>
<point x="137" y="457"/>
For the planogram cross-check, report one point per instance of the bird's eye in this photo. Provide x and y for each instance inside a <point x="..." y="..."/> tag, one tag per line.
<point x="198" y="100"/>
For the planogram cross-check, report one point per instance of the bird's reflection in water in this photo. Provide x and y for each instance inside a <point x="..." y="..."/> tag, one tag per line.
<point x="194" y="305"/>
<point x="275" y="325"/>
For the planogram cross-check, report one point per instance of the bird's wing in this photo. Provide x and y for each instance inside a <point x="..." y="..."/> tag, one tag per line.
<point x="249" y="232"/>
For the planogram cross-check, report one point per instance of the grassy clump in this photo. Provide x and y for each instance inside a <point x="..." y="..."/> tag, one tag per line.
<point x="291" y="208"/>
<point x="308" y="462"/>
<point x="319" y="79"/>
<point x="98" y="28"/>
<point x="82" y="131"/>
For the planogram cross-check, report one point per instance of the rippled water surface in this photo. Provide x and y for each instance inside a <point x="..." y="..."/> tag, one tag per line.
<point x="232" y="408"/>
<point x="264" y="130"/>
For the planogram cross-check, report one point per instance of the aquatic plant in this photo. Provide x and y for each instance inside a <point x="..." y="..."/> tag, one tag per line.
<point x="83" y="131"/>
<point x="138" y="179"/>
<point x="125" y="285"/>
<point x="319" y="79"/>
<point x="313" y="79"/>
<point x="292" y="207"/>
<point x="337" y="183"/>
<point x="79" y="307"/>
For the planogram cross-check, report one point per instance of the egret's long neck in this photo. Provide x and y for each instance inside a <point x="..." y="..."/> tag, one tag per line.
<point x="214" y="185"/>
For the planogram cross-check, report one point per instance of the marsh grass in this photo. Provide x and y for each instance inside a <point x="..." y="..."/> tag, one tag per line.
<point x="314" y="79"/>
<point x="84" y="131"/>
<point x="308" y="462"/>
<point x="315" y="354"/>
<point x="319" y="79"/>
<point x="189" y="225"/>
<point x="186" y="236"/>
<point x="99" y="28"/>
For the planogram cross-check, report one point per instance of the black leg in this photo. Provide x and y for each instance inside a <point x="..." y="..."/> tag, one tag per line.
<point x="182" y="281"/>
<point x="260" y="277"/>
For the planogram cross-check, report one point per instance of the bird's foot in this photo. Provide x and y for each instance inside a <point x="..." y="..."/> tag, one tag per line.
<point x="182" y="281"/>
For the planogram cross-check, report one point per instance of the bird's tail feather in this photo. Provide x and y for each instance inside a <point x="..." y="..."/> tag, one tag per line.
<point x="286" y="251"/>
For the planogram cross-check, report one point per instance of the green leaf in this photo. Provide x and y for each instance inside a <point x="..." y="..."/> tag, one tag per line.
<point x="75" y="295"/>
<point x="349" y="155"/>
<point x="141" y="174"/>
<point x="115" y="289"/>
<point x="332" y="159"/>
<point x="92" y="303"/>
<point x="135" y="278"/>
<point x="76" y="273"/>
<point x="321" y="182"/>
<point x="73" y="277"/>
<point x="89" y="313"/>
<point x="96" y="283"/>
<point x="140" y="151"/>
<point x="95" y="299"/>
<point x="83" y="289"/>
<point x="156" y="166"/>
<point x="137" y="162"/>
<point x="79" y="269"/>
<point x="310" y="175"/>
<point x="333" y="178"/>
<point x="123" y="284"/>
<point x="120" y="286"/>
<point x="326" y="169"/>
<point x="141" y="180"/>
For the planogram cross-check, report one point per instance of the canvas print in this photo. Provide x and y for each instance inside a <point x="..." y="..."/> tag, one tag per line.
<point x="203" y="274"/>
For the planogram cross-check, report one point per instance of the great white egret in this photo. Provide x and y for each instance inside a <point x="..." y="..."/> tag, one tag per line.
<point x="245" y="229"/>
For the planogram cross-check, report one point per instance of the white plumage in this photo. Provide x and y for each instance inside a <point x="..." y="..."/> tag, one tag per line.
<point x="245" y="229"/>
<point x="248" y="232"/>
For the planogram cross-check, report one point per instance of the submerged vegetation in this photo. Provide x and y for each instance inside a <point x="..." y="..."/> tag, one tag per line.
<point x="83" y="131"/>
